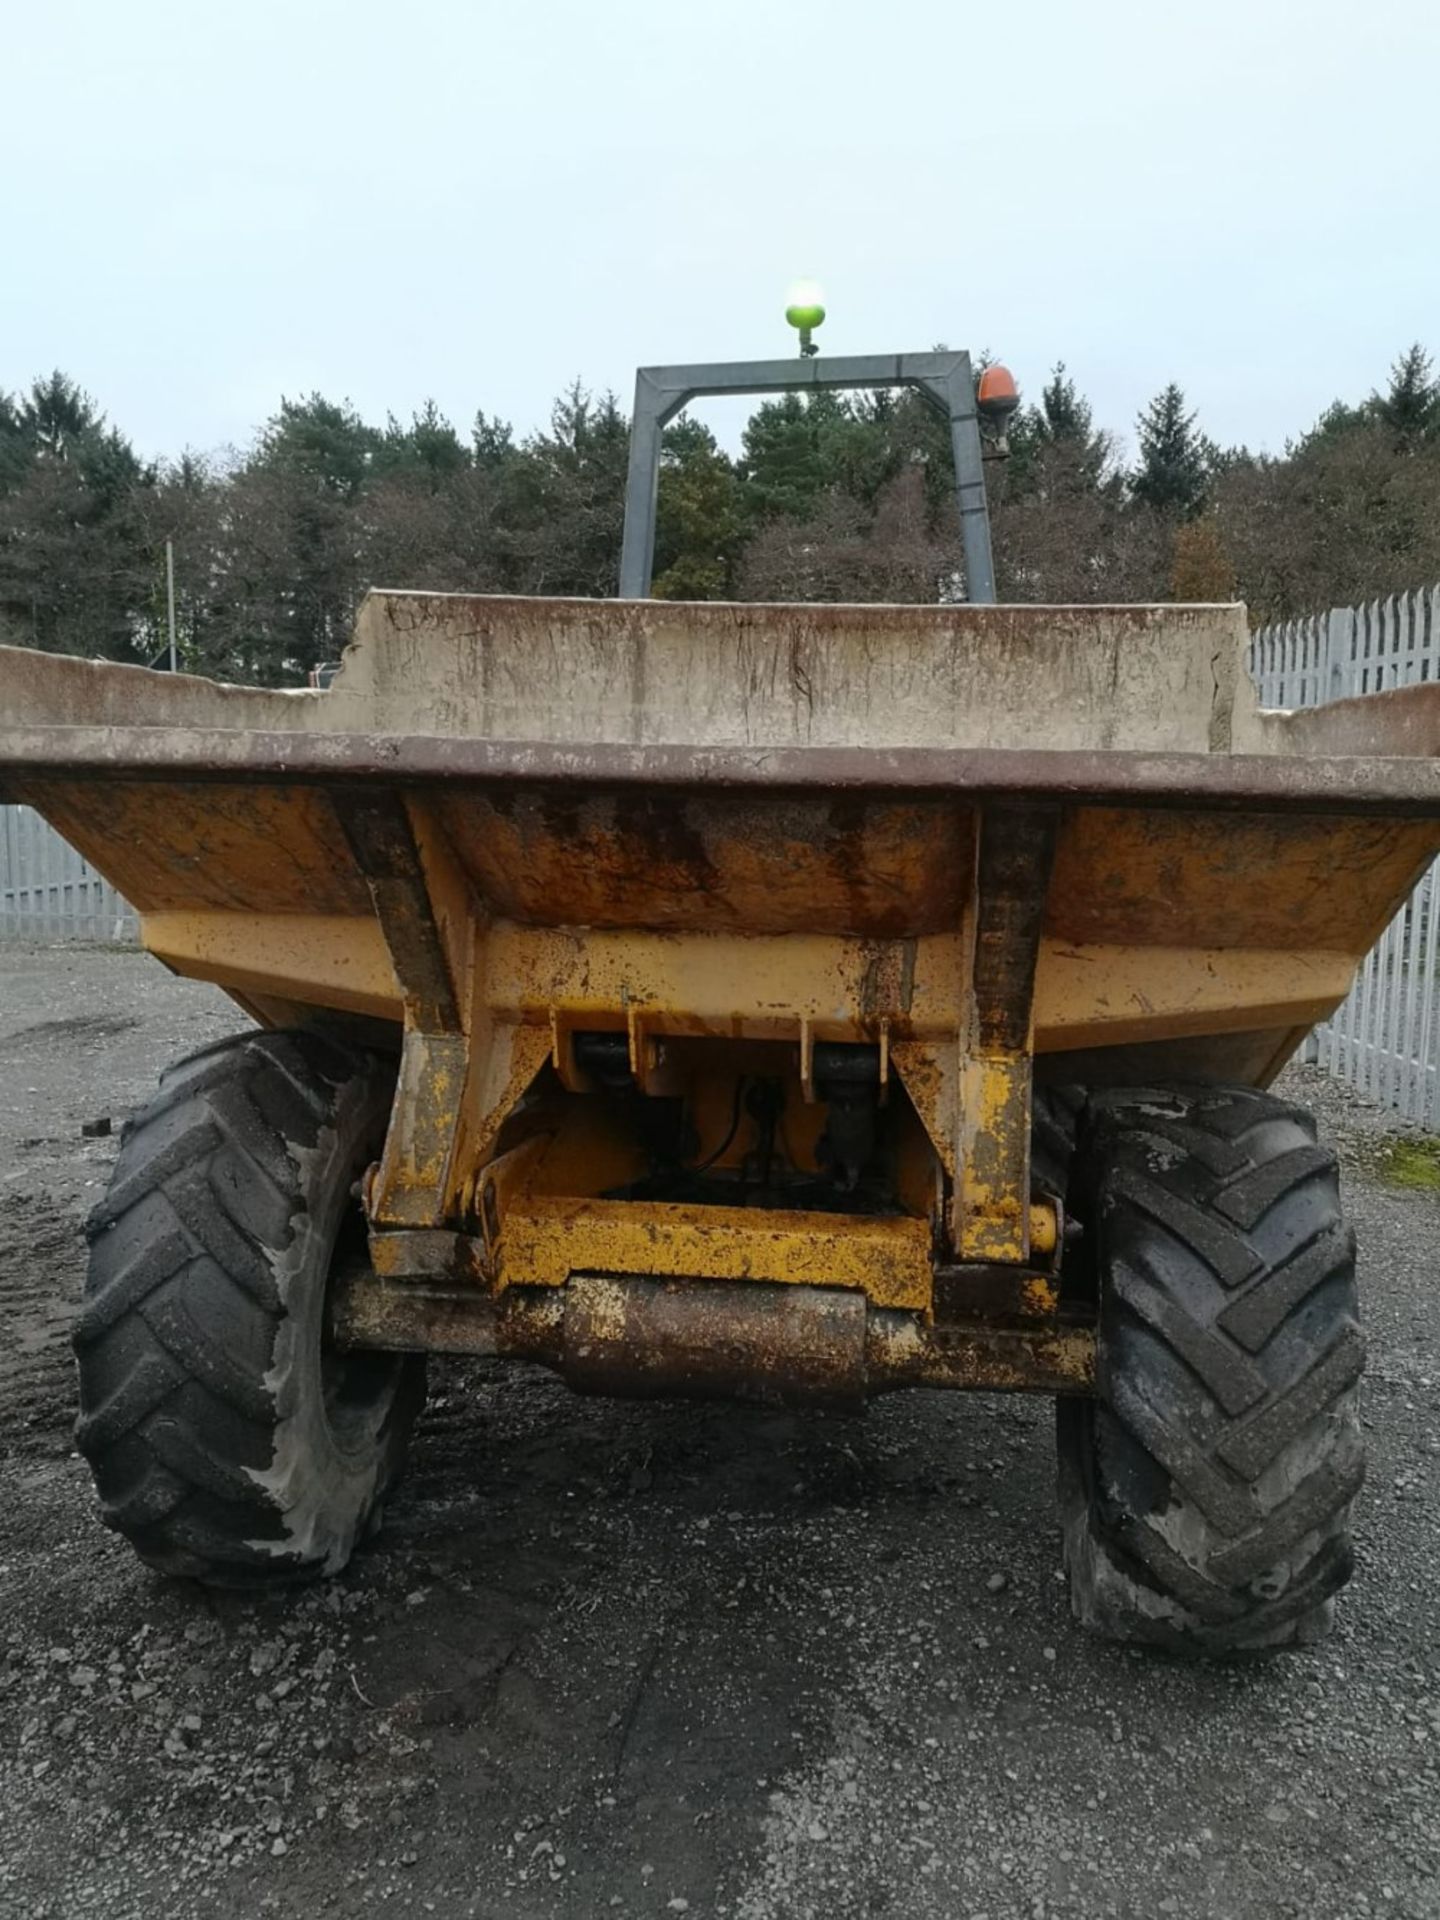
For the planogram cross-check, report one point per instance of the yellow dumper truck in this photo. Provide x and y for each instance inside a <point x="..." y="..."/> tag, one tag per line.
<point x="794" y="1003"/>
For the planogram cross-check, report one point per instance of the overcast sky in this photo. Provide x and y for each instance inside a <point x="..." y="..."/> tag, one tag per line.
<point x="209" y="205"/>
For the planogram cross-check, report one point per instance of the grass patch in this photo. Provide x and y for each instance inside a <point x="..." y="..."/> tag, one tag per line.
<point x="1411" y="1163"/>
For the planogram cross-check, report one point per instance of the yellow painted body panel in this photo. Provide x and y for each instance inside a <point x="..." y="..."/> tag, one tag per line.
<point x="322" y="960"/>
<point x="545" y="1239"/>
<point x="1085" y="996"/>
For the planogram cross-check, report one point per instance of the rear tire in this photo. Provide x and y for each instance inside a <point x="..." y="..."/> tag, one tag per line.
<point x="227" y="1442"/>
<point x="1206" y="1490"/>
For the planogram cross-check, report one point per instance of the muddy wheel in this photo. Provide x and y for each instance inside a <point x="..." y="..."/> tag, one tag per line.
<point x="227" y="1441"/>
<point x="1206" y="1490"/>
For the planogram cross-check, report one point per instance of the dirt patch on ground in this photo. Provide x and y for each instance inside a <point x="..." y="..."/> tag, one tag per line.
<point x="39" y="1286"/>
<point x="652" y="1659"/>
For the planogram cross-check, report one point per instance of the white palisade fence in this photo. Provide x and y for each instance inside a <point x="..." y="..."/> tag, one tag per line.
<point x="47" y="892"/>
<point x="1385" y="1038"/>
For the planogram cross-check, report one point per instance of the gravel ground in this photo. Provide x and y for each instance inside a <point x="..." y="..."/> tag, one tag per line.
<point x="656" y="1660"/>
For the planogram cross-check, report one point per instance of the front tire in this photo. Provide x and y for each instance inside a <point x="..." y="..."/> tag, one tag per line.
<point x="228" y="1443"/>
<point x="1206" y="1490"/>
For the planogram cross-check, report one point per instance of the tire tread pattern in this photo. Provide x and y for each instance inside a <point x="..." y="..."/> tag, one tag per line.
<point x="176" y="1415"/>
<point x="1210" y="1508"/>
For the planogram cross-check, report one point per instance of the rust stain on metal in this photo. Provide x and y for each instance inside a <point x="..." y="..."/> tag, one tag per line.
<point x="992" y="1189"/>
<point x="227" y="846"/>
<point x="1131" y="876"/>
<point x="420" y="1255"/>
<point x="998" y="1292"/>
<point x="731" y="985"/>
<point x="382" y="841"/>
<point x="930" y="1074"/>
<point x="708" y="1340"/>
<point x="715" y="863"/>
<point x="903" y="1352"/>
<point x="636" y="1337"/>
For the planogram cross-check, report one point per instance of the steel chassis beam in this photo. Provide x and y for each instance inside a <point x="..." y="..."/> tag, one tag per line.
<point x="698" y="1339"/>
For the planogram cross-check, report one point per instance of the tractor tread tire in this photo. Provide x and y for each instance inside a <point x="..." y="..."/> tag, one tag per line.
<point x="1206" y="1491"/>
<point x="202" y="1406"/>
<point x="1054" y="1119"/>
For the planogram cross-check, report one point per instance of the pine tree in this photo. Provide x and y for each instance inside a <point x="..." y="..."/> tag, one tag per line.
<point x="14" y="447"/>
<point x="73" y="548"/>
<point x="782" y="461"/>
<point x="58" y="416"/>
<point x="1411" y="405"/>
<point x="493" y="441"/>
<point x="428" y="448"/>
<point x="564" y="497"/>
<point x="700" y="521"/>
<point x="322" y="440"/>
<point x="1338" y="419"/>
<point x="1174" y="471"/>
<point x="1063" y="422"/>
<point x="1064" y="415"/>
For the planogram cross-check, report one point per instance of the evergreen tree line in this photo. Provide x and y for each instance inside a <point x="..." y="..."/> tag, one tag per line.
<point x="833" y="497"/>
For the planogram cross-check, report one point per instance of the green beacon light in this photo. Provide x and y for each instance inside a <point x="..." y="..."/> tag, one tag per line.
<point x="805" y="310"/>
